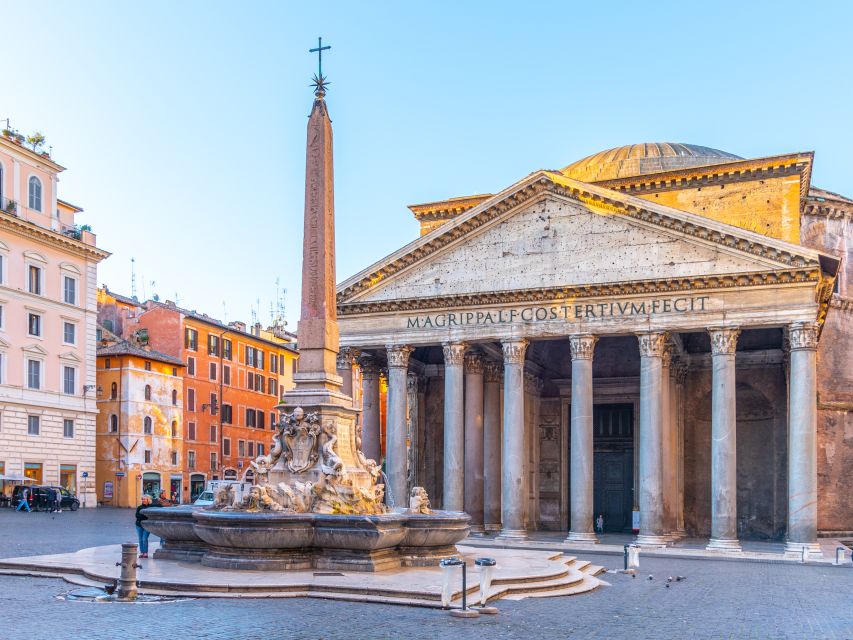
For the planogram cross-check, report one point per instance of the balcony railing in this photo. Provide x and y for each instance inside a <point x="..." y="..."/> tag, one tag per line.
<point x="13" y="208"/>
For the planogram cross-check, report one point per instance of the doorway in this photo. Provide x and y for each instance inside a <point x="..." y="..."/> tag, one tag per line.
<point x="613" y="465"/>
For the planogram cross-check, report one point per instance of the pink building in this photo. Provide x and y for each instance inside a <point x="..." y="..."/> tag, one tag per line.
<point x="48" y="311"/>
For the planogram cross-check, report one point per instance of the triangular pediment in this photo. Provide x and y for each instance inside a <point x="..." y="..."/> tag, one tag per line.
<point x="34" y="349"/>
<point x="550" y="232"/>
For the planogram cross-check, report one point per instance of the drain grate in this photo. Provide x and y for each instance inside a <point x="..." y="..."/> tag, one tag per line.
<point x="322" y="574"/>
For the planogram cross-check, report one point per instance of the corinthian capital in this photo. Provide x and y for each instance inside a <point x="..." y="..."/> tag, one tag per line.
<point x="494" y="371"/>
<point x="398" y="356"/>
<point x="473" y="363"/>
<point x="454" y="353"/>
<point x="723" y="341"/>
<point x="652" y="345"/>
<point x="514" y="351"/>
<point x="582" y="346"/>
<point x="369" y="366"/>
<point x="347" y="357"/>
<point x="803" y="335"/>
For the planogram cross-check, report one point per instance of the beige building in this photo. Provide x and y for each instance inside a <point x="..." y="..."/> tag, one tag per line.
<point x="48" y="275"/>
<point x="635" y="336"/>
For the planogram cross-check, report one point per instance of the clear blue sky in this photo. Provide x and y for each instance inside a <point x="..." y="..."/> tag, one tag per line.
<point x="182" y="124"/>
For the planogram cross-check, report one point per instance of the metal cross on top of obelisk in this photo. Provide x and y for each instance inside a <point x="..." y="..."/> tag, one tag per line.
<point x="320" y="83"/>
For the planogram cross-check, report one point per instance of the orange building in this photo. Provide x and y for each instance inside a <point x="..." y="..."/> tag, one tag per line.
<point x="233" y="379"/>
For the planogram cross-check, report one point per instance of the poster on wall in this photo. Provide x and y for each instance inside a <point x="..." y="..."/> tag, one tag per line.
<point x="108" y="490"/>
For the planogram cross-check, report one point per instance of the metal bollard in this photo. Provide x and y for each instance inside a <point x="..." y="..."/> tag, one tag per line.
<point x="486" y="566"/>
<point x="127" y="582"/>
<point x="447" y="588"/>
<point x="839" y="555"/>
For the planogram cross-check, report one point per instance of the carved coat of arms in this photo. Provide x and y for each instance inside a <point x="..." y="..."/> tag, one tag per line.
<point x="299" y="439"/>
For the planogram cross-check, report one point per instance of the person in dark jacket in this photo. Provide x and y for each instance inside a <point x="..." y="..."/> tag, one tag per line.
<point x="51" y="500"/>
<point x="142" y="533"/>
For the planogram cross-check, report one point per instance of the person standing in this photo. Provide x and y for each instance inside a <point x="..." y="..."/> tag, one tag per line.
<point x="141" y="532"/>
<point x="23" y="500"/>
<point x="57" y="500"/>
<point x="163" y="500"/>
<point x="51" y="500"/>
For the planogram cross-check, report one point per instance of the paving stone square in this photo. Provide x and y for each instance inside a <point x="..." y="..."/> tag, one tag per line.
<point x="715" y="600"/>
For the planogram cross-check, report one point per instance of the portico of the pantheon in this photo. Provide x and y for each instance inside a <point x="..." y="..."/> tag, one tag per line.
<point x="658" y="334"/>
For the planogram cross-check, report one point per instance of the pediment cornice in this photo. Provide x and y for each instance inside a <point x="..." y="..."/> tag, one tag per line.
<point x="786" y="255"/>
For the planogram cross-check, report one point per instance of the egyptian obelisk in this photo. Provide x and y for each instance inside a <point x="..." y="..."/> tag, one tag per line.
<point x="317" y="383"/>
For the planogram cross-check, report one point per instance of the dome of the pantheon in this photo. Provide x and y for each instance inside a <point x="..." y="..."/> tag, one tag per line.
<point x="640" y="159"/>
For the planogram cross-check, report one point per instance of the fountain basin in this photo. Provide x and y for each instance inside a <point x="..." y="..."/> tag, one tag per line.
<point x="277" y="541"/>
<point x="175" y="526"/>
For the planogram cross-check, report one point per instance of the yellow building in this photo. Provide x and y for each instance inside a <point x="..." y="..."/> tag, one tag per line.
<point x="140" y="423"/>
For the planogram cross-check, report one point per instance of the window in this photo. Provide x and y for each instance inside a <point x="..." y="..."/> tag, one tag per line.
<point x="148" y="392"/>
<point x="273" y="363"/>
<point x="69" y="333"/>
<point x="68" y="428"/>
<point x="260" y="448"/>
<point x="273" y="386"/>
<point x="174" y="428"/>
<point x="190" y="430"/>
<point x="227" y="415"/>
<point x="226" y="349"/>
<point x="107" y="363"/>
<point x="260" y="415"/>
<point x="147" y="425"/>
<point x="191" y="459"/>
<point x="33" y="425"/>
<point x="148" y="365"/>
<point x="191" y="366"/>
<point x="191" y="339"/>
<point x="35" y="193"/>
<point x="174" y="371"/>
<point x="241" y="448"/>
<point x="190" y="399"/>
<point x="260" y="360"/>
<point x="213" y="405"/>
<point x="212" y="345"/>
<point x="2" y="313"/>
<point x="213" y="433"/>
<point x="251" y="449"/>
<point x="113" y="390"/>
<point x="226" y="375"/>
<point x="148" y="456"/>
<point x="68" y="477"/>
<point x="34" y="279"/>
<point x="226" y="447"/>
<point x="34" y="374"/>
<point x="213" y="460"/>
<point x="212" y="374"/>
<point x="113" y="423"/>
<point x="69" y="289"/>
<point x="69" y="380"/>
<point x="34" y="324"/>
<point x="272" y="420"/>
<point x="174" y="458"/>
<point x="250" y="417"/>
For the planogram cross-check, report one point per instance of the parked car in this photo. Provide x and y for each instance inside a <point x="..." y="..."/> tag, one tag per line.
<point x="38" y="497"/>
<point x="205" y="499"/>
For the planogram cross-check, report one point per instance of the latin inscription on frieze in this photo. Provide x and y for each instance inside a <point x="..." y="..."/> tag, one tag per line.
<point x="566" y="312"/>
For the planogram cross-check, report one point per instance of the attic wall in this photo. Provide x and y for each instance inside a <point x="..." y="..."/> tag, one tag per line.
<point x="770" y="207"/>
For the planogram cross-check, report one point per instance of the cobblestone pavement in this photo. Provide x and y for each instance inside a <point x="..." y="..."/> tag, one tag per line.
<point x="717" y="600"/>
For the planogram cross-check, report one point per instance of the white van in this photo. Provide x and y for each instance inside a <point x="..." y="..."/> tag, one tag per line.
<point x="206" y="498"/>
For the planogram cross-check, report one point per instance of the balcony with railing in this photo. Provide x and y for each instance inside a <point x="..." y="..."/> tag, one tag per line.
<point x="83" y="233"/>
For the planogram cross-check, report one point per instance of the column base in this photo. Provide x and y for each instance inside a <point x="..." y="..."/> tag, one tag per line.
<point x="582" y="536"/>
<point x="724" y="544"/>
<point x="476" y="531"/>
<point x="512" y="535"/>
<point x="795" y="550"/>
<point x="492" y="528"/>
<point x="651" y="541"/>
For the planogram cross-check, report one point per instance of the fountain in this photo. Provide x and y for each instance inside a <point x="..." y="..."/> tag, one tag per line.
<point x="318" y="501"/>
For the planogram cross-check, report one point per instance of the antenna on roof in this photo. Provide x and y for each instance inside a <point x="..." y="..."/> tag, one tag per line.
<point x="133" y="278"/>
<point x="224" y="313"/>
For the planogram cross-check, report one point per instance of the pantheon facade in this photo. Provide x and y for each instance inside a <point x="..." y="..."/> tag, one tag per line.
<point x="659" y="335"/>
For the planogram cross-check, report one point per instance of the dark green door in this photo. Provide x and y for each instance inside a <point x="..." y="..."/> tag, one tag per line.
<point x="613" y="465"/>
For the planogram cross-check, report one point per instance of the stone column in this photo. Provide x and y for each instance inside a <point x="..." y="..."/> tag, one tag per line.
<point x="513" y="449"/>
<point x="492" y="447"/>
<point x="395" y="425"/>
<point x="581" y="525"/>
<point x="667" y="442"/>
<point x="802" y="442"/>
<point x="412" y="420"/>
<point x="454" y="428"/>
<point x="346" y="360"/>
<point x="652" y="530"/>
<point x="474" y="442"/>
<point x="370" y="440"/>
<point x="680" y="378"/>
<point x="723" y="441"/>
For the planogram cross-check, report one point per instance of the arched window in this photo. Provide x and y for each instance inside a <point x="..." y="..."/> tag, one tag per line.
<point x="174" y="396"/>
<point x="174" y="428"/>
<point x="147" y="391"/>
<point x="113" y="423"/>
<point x="113" y="391"/>
<point x="147" y="425"/>
<point x="35" y="193"/>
